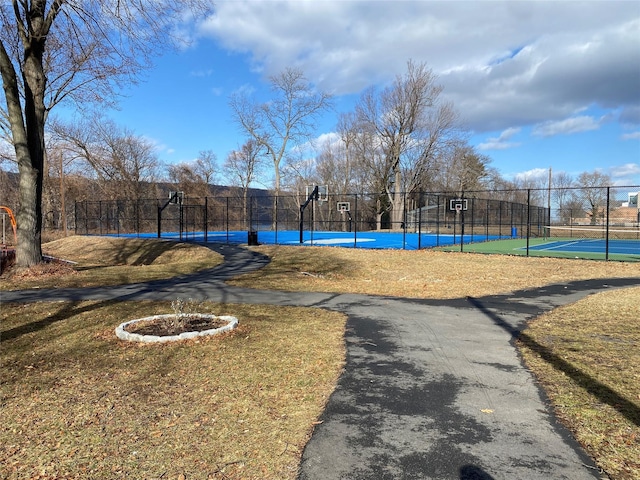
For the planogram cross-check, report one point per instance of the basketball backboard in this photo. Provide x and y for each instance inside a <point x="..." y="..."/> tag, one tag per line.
<point x="176" y="197"/>
<point x="458" y="204"/>
<point x="323" y="192"/>
<point x="343" y="206"/>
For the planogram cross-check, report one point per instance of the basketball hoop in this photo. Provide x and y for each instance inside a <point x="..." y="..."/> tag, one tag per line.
<point x="176" y="198"/>
<point x="322" y="195"/>
<point x="343" y="207"/>
<point x="458" y="204"/>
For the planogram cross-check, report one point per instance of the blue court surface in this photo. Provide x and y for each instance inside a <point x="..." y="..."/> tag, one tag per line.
<point x="380" y="240"/>
<point x="588" y="245"/>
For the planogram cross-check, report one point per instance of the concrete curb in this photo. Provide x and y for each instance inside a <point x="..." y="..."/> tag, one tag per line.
<point x="123" y="334"/>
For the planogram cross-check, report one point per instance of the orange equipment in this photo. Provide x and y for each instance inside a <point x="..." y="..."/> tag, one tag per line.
<point x="12" y="219"/>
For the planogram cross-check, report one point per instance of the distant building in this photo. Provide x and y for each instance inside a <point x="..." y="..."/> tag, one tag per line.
<point x="628" y="213"/>
<point x="633" y="200"/>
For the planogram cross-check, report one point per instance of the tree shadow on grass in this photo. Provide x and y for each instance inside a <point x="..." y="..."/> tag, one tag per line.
<point x="601" y="391"/>
<point x="67" y="311"/>
<point x="133" y="253"/>
<point x="473" y="472"/>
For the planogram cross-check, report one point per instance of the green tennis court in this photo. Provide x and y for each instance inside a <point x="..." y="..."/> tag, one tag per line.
<point x="571" y="247"/>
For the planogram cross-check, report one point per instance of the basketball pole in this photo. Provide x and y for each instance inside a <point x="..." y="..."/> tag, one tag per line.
<point x="312" y="196"/>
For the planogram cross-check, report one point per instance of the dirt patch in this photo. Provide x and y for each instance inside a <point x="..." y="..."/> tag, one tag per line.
<point x="167" y="325"/>
<point x="49" y="268"/>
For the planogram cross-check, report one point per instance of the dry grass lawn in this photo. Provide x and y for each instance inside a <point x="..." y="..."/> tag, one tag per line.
<point x="105" y="261"/>
<point x="418" y="274"/>
<point x="77" y="403"/>
<point x="587" y="358"/>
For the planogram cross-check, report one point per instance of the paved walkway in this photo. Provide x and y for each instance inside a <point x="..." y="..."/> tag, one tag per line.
<point x="432" y="389"/>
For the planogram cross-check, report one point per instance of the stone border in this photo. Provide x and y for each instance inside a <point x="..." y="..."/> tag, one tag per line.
<point x="122" y="334"/>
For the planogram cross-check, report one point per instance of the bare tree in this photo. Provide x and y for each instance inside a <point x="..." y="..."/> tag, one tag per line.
<point x="76" y="50"/>
<point x="355" y="148"/>
<point x="562" y="184"/>
<point x="9" y="190"/>
<point x="413" y="127"/>
<point x="195" y="177"/>
<point x="334" y="168"/>
<point x="206" y="166"/>
<point x="61" y="161"/>
<point x="594" y="192"/>
<point x="242" y="167"/>
<point x="369" y="167"/>
<point x="464" y="170"/>
<point x="287" y="119"/>
<point x="125" y="164"/>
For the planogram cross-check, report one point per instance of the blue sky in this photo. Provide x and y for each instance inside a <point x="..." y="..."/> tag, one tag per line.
<point x="538" y="84"/>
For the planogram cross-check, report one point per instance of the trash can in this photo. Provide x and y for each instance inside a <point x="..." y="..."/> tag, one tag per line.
<point x="252" y="237"/>
<point x="514" y="232"/>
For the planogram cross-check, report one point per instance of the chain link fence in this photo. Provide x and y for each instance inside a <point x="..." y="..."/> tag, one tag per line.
<point x="595" y="223"/>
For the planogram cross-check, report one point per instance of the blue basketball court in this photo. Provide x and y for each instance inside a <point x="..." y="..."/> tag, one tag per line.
<point x="372" y="239"/>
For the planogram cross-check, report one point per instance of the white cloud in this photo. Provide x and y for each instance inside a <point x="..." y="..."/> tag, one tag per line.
<point x="502" y="63"/>
<point x="202" y="73"/>
<point x="566" y="127"/>
<point x="532" y="175"/>
<point x="624" y="171"/>
<point x="631" y="136"/>
<point x="501" y="142"/>
<point x="245" y="89"/>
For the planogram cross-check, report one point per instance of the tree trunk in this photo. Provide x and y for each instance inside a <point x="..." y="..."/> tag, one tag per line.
<point x="29" y="217"/>
<point x="245" y="196"/>
<point x="31" y="165"/>
<point x="28" y="142"/>
<point x="274" y="208"/>
<point x="397" y="203"/>
<point x="63" y="204"/>
<point x="379" y="214"/>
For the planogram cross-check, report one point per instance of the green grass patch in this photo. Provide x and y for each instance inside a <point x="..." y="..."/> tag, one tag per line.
<point x="79" y="403"/>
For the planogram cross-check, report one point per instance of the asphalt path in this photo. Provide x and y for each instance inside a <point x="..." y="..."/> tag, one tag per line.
<point x="431" y="389"/>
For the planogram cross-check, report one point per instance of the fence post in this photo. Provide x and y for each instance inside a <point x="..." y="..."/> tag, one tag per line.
<point x="251" y="213"/>
<point x="181" y="219"/>
<point x="528" y="218"/>
<point x="438" y="220"/>
<point x="462" y="223"/>
<point x="355" y="223"/>
<point x="486" y="229"/>
<point x="500" y="219"/>
<point x="606" y="242"/>
<point x="138" y="217"/>
<point x="206" y="219"/>
<point x="404" y="220"/>
<point x="420" y="220"/>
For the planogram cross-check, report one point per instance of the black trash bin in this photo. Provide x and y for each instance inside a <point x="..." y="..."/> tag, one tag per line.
<point x="252" y="237"/>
